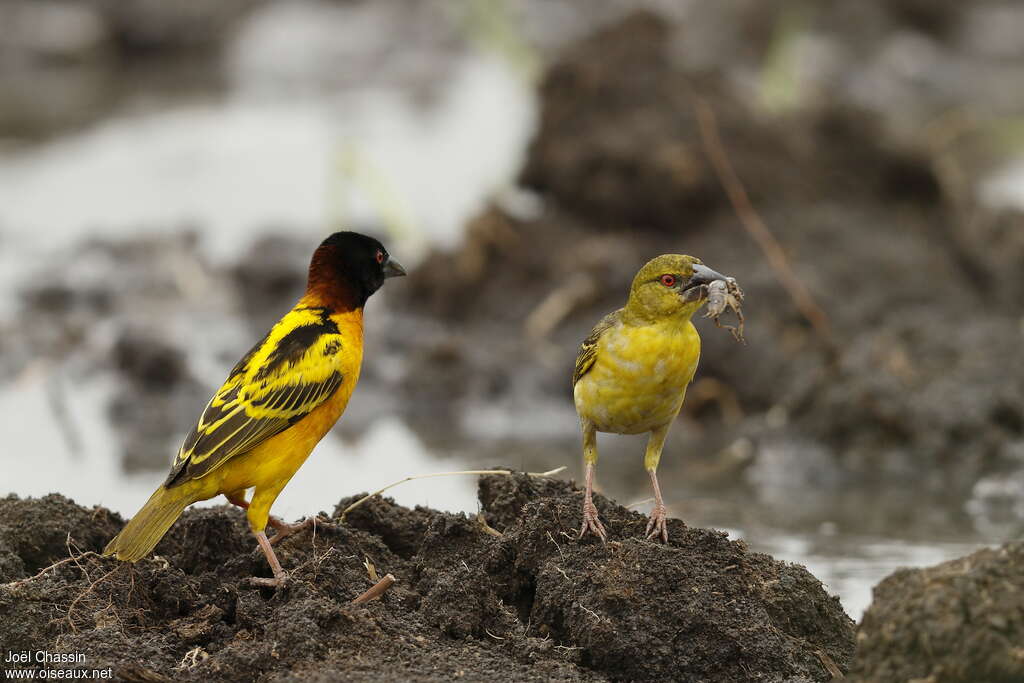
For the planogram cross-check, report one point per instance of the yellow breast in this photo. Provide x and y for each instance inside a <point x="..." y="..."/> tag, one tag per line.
<point x="639" y="377"/>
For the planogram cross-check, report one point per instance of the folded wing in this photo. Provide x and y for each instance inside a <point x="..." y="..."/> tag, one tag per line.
<point x="282" y="379"/>
<point x="588" y="349"/>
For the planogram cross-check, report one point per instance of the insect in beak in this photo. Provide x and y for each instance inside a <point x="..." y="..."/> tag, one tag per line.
<point x="696" y="288"/>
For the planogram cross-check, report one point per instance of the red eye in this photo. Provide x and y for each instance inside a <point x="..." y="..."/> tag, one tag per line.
<point x="380" y="256"/>
<point x="668" y="280"/>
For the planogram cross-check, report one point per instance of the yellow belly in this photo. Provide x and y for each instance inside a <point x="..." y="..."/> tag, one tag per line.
<point x="639" y="378"/>
<point x="272" y="463"/>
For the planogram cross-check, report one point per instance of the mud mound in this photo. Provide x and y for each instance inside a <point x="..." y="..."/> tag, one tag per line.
<point x="619" y="139"/>
<point x="530" y="604"/>
<point x="956" y="622"/>
<point x="35" y="531"/>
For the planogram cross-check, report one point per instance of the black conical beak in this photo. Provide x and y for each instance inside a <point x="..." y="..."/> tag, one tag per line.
<point x="393" y="268"/>
<point x="696" y="288"/>
<point x="702" y="275"/>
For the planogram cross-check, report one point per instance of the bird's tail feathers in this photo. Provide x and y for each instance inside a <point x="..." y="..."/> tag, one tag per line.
<point x="149" y="525"/>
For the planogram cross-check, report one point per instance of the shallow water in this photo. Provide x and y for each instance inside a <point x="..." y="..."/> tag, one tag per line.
<point x="228" y="168"/>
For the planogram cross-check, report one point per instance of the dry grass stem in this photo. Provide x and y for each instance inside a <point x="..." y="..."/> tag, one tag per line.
<point x="365" y="498"/>
<point x="755" y="226"/>
<point x="487" y="528"/>
<point x="44" y="570"/>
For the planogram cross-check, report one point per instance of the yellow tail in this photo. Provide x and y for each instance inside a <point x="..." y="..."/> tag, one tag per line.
<point x="149" y="524"/>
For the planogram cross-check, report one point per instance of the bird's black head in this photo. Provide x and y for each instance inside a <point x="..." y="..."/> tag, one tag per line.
<point x="348" y="267"/>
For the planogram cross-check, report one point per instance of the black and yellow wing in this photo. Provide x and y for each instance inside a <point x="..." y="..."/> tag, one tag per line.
<point x="588" y="349"/>
<point x="282" y="379"/>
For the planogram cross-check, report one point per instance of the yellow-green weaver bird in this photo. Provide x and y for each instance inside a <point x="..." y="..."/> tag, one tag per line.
<point x="276" y="404"/>
<point x="632" y="371"/>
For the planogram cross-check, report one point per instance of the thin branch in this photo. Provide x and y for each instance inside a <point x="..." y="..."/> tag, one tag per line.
<point x="829" y="664"/>
<point x="365" y="498"/>
<point x="751" y="221"/>
<point x="487" y="528"/>
<point x="559" y="304"/>
<point x="44" y="570"/>
<point x="376" y="590"/>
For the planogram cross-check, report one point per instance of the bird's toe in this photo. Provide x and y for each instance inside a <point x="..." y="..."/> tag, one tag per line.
<point x="592" y="523"/>
<point x="657" y="526"/>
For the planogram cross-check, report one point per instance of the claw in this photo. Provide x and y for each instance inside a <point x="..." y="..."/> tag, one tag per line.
<point x="657" y="526"/>
<point x="591" y="522"/>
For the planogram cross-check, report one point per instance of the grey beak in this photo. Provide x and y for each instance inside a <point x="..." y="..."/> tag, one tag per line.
<point x="393" y="269"/>
<point x="702" y="275"/>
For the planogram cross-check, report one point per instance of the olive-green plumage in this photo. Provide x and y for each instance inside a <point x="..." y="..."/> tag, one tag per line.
<point x="633" y="369"/>
<point x="141" y="534"/>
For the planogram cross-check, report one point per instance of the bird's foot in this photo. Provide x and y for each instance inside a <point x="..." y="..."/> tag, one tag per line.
<point x="280" y="580"/>
<point x="283" y="530"/>
<point x="591" y="522"/>
<point x="657" y="526"/>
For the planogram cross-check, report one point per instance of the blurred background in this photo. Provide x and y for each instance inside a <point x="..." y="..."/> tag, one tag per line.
<point x="167" y="168"/>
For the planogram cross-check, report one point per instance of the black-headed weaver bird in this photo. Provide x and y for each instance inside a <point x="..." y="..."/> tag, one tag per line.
<point x="632" y="371"/>
<point x="276" y="404"/>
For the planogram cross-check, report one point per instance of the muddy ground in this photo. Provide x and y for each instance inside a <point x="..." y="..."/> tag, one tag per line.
<point x="530" y="604"/>
<point x="956" y="622"/>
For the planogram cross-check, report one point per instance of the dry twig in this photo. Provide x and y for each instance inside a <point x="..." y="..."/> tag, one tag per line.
<point x="755" y="226"/>
<point x="829" y="665"/>
<point x="44" y="570"/>
<point x="376" y="590"/>
<point x="365" y="498"/>
<point x="487" y="528"/>
<point x="559" y="304"/>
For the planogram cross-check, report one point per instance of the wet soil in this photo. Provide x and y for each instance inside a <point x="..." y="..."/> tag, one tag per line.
<point x="956" y="622"/>
<point x="532" y="603"/>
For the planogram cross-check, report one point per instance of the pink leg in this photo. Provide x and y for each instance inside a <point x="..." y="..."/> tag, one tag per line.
<point x="280" y="575"/>
<point x="657" y="525"/>
<point x="282" y="530"/>
<point x="591" y="522"/>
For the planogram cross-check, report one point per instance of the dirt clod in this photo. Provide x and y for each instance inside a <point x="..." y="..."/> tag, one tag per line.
<point x="531" y="604"/>
<point x="956" y="622"/>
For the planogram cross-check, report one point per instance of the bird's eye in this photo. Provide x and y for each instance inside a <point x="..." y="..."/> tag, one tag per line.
<point x="668" y="280"/>
<point x="380" y="256"/>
